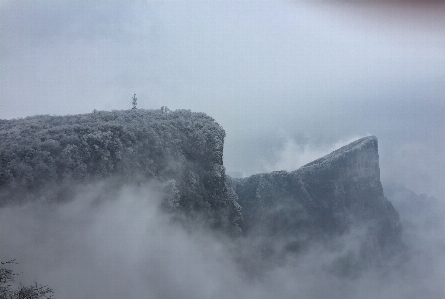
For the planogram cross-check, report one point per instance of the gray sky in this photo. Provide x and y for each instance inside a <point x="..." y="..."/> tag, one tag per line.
<point x="288" y="80"/>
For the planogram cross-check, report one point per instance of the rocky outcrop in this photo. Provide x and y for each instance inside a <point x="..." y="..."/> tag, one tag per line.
<point x="48" y="155"/>
<point x="325" y="198"/>
<point x="183" y="151"/>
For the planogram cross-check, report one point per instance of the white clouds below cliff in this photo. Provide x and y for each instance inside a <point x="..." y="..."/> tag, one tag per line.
<point x="123" y="246"/>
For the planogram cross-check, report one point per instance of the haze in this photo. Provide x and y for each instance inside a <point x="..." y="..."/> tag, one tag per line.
<point x="274" y="74"/>
<point x="288" y="80"/>
<point x="119" y="245"/>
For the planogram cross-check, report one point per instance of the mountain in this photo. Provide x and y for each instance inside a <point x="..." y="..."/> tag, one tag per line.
<point x="327" y="198"/>
<point x="45" y="157"/>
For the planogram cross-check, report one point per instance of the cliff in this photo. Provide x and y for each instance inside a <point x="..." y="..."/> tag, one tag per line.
<point x="328" y="197"/>
<point x="45" y="157"/>
<point x="180" y="149"/>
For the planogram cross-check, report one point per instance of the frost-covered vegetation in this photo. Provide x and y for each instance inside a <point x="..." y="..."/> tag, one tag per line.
<point x="8" y="291"/>
<point x="181" y="148"/>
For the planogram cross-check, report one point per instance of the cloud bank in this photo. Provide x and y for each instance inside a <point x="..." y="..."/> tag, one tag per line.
<point x="121" y="245"/>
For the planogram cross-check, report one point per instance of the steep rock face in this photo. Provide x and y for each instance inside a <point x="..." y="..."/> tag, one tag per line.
<point x="181" y="149"/>
<point x="325" y="198"/>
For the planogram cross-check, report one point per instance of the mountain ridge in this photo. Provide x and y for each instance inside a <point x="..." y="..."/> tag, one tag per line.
<point x="324" y="198"/>
<point x="183" y="150"/>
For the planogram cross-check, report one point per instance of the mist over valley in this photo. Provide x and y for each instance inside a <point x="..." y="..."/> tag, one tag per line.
<point x="301" y="154"/>
<point x="137" y="203"/>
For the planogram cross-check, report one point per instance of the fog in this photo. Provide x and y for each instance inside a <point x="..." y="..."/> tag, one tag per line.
<point x="293" y="155"/>
<point x="289" y="81"/>
<point x="121" y="245"/>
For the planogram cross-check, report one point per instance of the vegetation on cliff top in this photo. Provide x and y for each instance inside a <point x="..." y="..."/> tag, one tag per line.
<point x="184" y="149"/>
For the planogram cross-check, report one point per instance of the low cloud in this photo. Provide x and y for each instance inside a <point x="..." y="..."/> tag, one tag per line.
<point x="121" y="245"/>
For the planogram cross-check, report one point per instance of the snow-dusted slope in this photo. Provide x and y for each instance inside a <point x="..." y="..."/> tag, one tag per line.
<point x="367" y="165"/>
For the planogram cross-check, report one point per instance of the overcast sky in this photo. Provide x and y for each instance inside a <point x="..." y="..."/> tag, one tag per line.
<point x="289" y="81"/>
